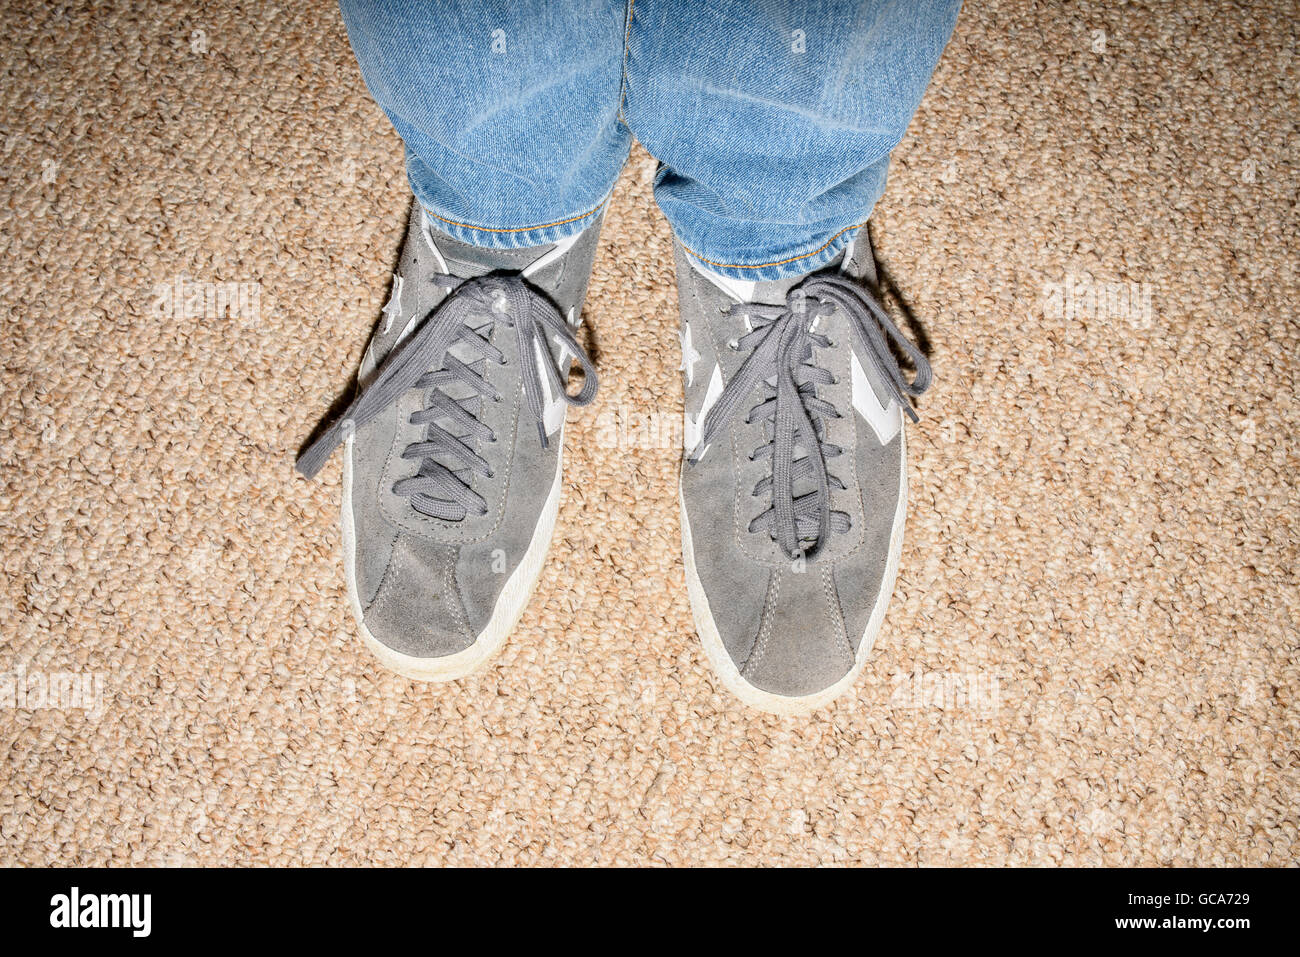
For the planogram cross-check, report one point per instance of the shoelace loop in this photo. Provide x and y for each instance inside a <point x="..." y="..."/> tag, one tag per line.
<point x="781" y="359"/>
<point x="425" y="361"/>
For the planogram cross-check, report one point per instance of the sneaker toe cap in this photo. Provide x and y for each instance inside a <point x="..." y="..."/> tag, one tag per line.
<point x="416" y="608"/>
<point x="801" y="647"/>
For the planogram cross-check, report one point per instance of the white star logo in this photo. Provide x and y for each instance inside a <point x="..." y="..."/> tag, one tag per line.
<point x="394" y="308"/>
<point x="690" y="355"/>
<point x="694" y="431"/>
<point x="553" y="406"/>
<point x="885" y="419"/>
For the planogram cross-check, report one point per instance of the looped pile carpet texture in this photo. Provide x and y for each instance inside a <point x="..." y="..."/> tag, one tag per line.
<point x="1091" y="654"/>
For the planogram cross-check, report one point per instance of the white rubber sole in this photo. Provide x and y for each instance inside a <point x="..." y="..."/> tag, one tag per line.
<point x="720" y="659"/>
<point x="505" y="615"/>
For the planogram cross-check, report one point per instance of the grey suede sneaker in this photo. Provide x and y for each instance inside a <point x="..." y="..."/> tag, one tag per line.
<point x="794" y="484"/>
<point x="452" y="446"/>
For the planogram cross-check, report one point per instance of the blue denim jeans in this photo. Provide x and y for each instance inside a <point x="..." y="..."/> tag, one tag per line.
<point x="772" y="121"/>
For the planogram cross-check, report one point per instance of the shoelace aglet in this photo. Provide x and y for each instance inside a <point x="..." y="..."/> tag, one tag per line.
<point x="313" y="458"/>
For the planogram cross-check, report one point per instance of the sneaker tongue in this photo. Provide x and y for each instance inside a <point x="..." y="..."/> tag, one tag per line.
<point x="465" y="260"/>
<point x="773" y="291"/>
<point x="768" y="292"/>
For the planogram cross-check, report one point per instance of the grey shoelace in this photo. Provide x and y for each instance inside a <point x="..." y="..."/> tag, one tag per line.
<point x="781" y="358"/>
<point x="448" y="459"/>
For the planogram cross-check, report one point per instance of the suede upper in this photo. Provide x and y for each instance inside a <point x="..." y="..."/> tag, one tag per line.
<point x="791" y="628"/>
<point x="427" y="586"/>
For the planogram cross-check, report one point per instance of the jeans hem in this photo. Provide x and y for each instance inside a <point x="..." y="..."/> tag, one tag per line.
<point x="795" y="264"/>
<point x="515" y="237"/>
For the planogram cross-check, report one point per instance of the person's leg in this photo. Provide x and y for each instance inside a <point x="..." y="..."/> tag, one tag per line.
<point x="774" y="130"/>
<point x="451" y="448"/>
<point x="774" y="121"/>
<point x="509" y="110"/>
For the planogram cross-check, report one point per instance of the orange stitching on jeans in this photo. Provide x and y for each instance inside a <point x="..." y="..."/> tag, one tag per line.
<point x="780" y="262"/>
<point x="521" y="229"/>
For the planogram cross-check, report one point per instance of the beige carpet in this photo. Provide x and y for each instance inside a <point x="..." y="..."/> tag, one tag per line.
<point x="1091" y="654"/>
